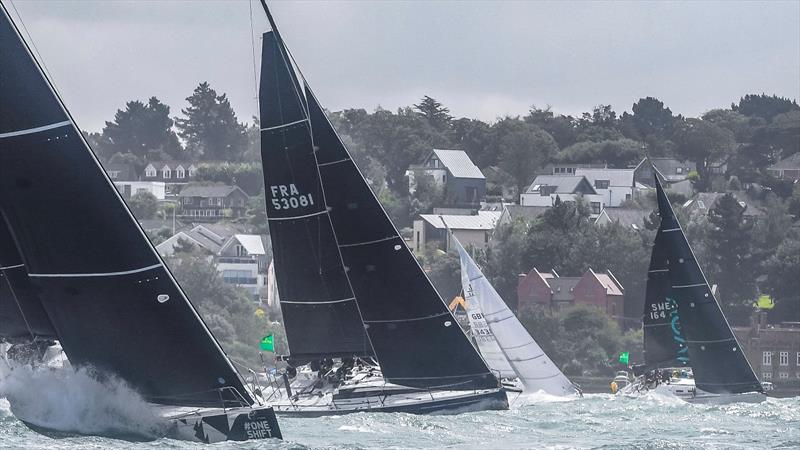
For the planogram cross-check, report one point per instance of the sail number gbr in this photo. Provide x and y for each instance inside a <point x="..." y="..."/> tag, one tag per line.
<point x="286" y="196"/>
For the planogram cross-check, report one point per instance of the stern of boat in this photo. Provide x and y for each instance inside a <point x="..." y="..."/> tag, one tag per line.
<point x="232" y="424"/>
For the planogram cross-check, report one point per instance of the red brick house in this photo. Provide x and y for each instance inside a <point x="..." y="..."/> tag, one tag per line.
<point x="549" y="289"/>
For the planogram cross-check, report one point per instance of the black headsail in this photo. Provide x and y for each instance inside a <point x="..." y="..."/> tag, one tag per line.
<point x="22" y="317"/>
<point x="415" y="337"/>
<point x="111" y="300"/>
<point x="718" y="362"/>
<point x="664" y="344"/>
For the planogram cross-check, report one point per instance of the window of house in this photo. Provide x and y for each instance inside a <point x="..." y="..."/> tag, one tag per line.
<point x="180" y="173"/>
<point x="472" y="194"/>
<point x="150" y="171"/>
<point x="798" y="359"/>
<point x="166" y="172"/>
<point x="240" y="251"/>
<point x="678" y="170"/>
<point x="570" y="170"/>
<point x="783" y="375"/>
<point x="784" y="358"/>
<point x="192" y="171"/>
<point x="113" y="173"/>
<point x="766" y="359"/>
<point x="766" y="376"/>
<point x="798" y="355"/>
<point x="627" y="196"/>
<point x="601" y="184"/>
<point x="141" y="190"/>
<point x="545" y="190"/>
<point x="595" y="207"/>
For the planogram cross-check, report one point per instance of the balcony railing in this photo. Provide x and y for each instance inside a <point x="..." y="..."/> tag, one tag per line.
<point x="240" y="280"/>
<point x="236" y="260"/>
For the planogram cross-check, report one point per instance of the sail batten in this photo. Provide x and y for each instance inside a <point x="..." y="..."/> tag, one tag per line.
<point x="137" y="325"/>
<point x="506" y="344"/>
<point x="717" y="360"/>
<point x="395" y="301"/>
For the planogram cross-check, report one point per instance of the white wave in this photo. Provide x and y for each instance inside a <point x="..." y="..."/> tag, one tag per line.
<point x="78" y="401"/>
<point x="540" y="396"/>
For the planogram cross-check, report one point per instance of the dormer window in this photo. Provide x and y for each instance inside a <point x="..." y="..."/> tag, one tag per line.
<point x="166" y="172"/>
<point x="192" y="170"/>
<point x="679" y="170"/>
<point x="602" y="184"/>
<point x="180" y="173"/>
<point x="150" y="172"/>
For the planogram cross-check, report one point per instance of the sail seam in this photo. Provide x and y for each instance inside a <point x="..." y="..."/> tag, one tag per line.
<point x="667" y="230"/>
<point x="34" y="130"/>
<point x="369" y="242"/>
<point x="319" y="303"/>
<point x="298" y="217"/>
<point x="408" y="320"/>
<point x="333" y="162"/>
<point x="718" y="341"/>
<point x="526" y="359"/>
<point x="99" y="274"/>
<point x="682" y="286"/>
<point x="284" y="125"/>
<point x="658" y="270"/>
<point x="16" y="266"/>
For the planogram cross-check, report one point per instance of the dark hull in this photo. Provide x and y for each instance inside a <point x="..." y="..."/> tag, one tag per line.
<point x="488" y="401"/>
<point x="207" y="427"/>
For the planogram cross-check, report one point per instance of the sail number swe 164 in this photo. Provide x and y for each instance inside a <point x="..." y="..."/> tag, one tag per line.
<point x="288" y="197"/>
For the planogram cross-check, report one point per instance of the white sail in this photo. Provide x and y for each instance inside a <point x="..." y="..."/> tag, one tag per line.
<point x="521" y="353"/>
<point x="273" y="298"/>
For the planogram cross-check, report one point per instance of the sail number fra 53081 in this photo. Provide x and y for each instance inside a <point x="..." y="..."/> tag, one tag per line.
<point x="289" y="197"/>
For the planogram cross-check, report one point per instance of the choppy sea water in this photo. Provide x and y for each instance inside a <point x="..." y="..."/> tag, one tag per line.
<point x="597" y="421"/>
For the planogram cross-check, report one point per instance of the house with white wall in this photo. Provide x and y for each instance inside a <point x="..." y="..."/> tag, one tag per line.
<point x="613" y="185"/>
<point x="546" y="188"/>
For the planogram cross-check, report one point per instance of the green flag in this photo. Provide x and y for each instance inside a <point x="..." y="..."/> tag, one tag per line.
<point x="268" y="344"/>
<point x="623" y="358"/>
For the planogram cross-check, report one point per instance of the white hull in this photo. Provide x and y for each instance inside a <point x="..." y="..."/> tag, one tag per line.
<point x="685" y="389"/>
<point x="369" y="392"/>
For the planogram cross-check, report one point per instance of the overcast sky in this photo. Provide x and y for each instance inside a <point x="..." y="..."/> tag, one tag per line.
<point x="481" y="59"/>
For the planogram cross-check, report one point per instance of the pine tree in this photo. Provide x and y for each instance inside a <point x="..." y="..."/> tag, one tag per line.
<point x="144" y="130"/>
<point x="437" y="115"/>
<point x="730" y="254"/>
<point x="210" y="129"/>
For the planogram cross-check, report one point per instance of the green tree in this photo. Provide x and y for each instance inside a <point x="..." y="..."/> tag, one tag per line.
<point x="144" y="205"/>
<point x="437" y="115"/>
<point x="731" y="262"/>
<point x="783" y="282"/>
<point x="210" y="128"/>
<point x="650" y="119"/>
<point x="144" y="130"/>
<point x="524" y="150"/>
<point x="705" y="144"/>
<point x="764" y="106"/>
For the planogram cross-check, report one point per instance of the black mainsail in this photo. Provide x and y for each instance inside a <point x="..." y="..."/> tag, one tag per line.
<point x="718" y="362"/>
<point x="22" y="317"/>
<point x="664" y="345"/>
<point x="412" y="332"/>
<point x="110" y="298"/>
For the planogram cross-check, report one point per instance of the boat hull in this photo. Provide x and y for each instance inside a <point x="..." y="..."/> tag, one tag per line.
<point x="686" y="390"/>
<point x="205" y="426"/>
<point x="416" y="402"/>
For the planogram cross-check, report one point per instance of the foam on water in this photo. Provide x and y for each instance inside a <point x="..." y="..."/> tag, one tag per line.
<point x="78" y="401"/>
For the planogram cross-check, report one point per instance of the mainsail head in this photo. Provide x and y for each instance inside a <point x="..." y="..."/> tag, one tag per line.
<point x="109" y="296"/>
<point x="342" y="251"/>
<point x="718" y="361"/>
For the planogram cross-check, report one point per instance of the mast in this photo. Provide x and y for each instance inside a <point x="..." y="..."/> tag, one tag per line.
<point x="409" y="327"/>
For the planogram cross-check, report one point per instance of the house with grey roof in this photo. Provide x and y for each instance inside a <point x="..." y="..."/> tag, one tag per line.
<point x="211" y="202"/>
<point x="174" y="174"/>
<point x="546" y="188"/>
<point x="463" y="182"/>
<point x="469" y="229"/>
<point x="703" y="202"/>
<point x="672" y="173"/>
<point x="787" y="168"/>
<point x="629" y="218"/>
<point x="511" y="213"/>
<point x="614" y="185"/>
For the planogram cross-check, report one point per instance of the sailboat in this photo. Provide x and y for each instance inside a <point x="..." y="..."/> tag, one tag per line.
<point x="511" y="352"/>
<point x="689" y="347"/>
<point x="82" y="272"/>
<point x="365" y="327"/>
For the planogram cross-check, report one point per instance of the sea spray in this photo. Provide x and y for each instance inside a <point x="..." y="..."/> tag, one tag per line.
<point x="78" y="401"/>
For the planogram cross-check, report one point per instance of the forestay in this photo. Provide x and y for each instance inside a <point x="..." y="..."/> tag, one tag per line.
<point x="718" y="362"/>
<point x="413" y="334"/>
<point x="529" y="362"/>
<point x="108" y="295"/>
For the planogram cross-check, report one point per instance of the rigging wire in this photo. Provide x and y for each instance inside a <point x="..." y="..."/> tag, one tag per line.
<point x="38" y="55"/>
<point x="253" y="48"/>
